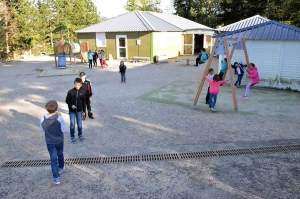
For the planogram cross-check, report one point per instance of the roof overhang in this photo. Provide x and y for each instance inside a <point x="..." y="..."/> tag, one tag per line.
<point x="200" y="31"/>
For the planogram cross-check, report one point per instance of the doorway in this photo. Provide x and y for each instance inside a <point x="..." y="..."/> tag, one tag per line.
<point x="199" y="43"/>
<point x="121" y="45"/>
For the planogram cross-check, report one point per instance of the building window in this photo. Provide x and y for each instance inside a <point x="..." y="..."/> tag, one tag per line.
<point x="100" y="40"/>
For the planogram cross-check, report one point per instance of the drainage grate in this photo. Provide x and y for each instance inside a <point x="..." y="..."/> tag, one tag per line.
<point x="156" y="157"/>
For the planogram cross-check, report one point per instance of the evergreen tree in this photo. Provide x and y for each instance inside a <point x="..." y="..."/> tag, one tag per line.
<point x="143" y="5"/>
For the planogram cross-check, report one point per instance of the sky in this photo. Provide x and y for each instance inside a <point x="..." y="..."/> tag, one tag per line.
<point x="112" y="8"/>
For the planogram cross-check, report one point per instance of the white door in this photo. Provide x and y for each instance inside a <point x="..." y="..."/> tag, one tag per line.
<point x="121" y="45"/>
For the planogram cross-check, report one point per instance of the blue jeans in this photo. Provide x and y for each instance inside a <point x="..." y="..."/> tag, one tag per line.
<point x="78" y="116"/>
<point x="212" y="100"/>
<point x="238" y="81"/>
<point x="56" y="152"/>
<point x="123" y="79"/>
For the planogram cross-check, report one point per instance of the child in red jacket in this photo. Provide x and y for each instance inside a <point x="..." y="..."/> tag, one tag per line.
<point x="214" y="88"/>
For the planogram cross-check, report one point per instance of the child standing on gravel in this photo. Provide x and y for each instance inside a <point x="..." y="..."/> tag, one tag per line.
<point x="53" y="125"/>
<point x="214" y="90"/>
<point x="122" y="68"/>
<point x="209" y="76"/>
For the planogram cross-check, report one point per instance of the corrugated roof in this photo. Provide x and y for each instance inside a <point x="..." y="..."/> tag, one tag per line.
<point x="270" y="30"/>
<point x="139" y="21"/>
<point x="251" y="21"/>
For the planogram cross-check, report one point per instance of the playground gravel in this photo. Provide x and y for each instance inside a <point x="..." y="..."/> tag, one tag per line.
<point x="125" y="124"/>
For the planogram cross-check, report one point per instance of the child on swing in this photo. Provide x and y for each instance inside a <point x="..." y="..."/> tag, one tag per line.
<point x="214" y="88"/>
<point x="254" y="79"/>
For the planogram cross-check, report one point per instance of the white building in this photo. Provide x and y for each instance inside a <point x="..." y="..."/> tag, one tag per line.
<point x="274" y="48"/>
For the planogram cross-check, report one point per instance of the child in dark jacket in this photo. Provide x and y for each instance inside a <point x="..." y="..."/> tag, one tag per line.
<point x="76" y="99"/>
<point x="239" y="71"/>
<point x="54" y="127"/>
<point x="122" y="68"/>
<point x="95" y="57"/>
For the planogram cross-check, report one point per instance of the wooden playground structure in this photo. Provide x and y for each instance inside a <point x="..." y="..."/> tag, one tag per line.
<point x="63" y="49"/>
<point x="221" y="47"/>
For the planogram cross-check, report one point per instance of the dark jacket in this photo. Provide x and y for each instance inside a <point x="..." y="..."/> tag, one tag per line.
<point x="122" y="68"/>
<point x="77" y="98"/>
<point x="87" y="86"/>
<point x="95" y="56"/>
<point x="241" y="68"/>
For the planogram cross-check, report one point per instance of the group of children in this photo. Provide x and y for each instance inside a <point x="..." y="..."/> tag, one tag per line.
<point x="216" y="80"/>
<point x="79" y="100"/>
<point x="52" y="124"/>
<point x="94" y="56"/>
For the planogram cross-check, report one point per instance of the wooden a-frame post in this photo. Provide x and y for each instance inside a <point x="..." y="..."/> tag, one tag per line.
<point x="230" y="72"/>
<point x="205" y="72"/>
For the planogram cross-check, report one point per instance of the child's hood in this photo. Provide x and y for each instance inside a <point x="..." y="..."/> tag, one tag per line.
<point x="50" y="119"/>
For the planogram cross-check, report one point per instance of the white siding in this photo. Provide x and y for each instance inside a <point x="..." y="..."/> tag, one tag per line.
<point x="290" y="68"/>
<point x="167" y="43"/>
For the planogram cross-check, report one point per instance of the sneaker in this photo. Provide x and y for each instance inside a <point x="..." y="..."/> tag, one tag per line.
<point x="61" y="170"/>
<point x="92" y="117"/>
<point x="214" y="110"/>
<point x="57" y="180"/>
<point x="235" y="87"/>
<point x="244" y="97"/>
<point x="73" y="140"/>
<point x="81" y="138"/>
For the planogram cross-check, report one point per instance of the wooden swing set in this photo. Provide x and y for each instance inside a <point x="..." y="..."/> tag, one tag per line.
<point x="222" y="47"/>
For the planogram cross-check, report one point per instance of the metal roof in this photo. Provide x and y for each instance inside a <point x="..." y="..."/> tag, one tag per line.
<point x="251" y="21"/>
<point x="139" y="21"/>
<point x="270" y="30"/>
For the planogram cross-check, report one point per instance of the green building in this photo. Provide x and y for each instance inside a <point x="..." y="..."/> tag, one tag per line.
<point x="147" y="34"/>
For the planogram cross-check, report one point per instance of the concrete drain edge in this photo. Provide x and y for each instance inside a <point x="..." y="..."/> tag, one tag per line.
<point x="155" y="157"/>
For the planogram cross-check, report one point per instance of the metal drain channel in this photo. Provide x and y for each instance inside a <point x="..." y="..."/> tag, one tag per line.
<point x="155" y="157"/>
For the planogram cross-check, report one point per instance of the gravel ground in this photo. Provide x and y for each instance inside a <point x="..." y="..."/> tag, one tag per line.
<point x="126" y="125"/>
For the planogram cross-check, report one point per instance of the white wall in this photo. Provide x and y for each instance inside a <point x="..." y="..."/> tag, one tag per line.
<point x="167" y="43"/>
<point x="278" y="62"/>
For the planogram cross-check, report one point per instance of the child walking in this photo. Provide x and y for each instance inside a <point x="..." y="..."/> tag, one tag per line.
<point x="90" y="58"/>
<point x="209" y="76"/>
<point x="214" y="90"/>
<point x="53" y="125"/>
<point x="75" y="99"/>
<point x="122" y="68"/>
<point x="254" y="79"/>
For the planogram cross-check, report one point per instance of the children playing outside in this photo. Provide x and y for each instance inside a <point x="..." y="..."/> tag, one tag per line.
<point x="214" y="88"/>
<point x="223" y="69"/>
<point x="122" y="69"/>
<point x="254" y="79"/>
<point x="100" y="57"/>
<point x="209" y="76"/>
<point x="90" y="58"/>
<point x="54" y="127"/>
<point x="239" y="71"/>
<point x="76" y="104"/>
<point x="87" y="86"/>
<point x="95" y="56"/>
